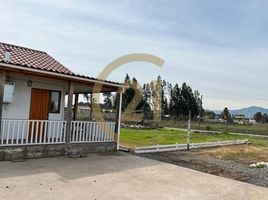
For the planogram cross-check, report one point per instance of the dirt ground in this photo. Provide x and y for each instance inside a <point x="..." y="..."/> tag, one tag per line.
<point x="245" y="154"/>
<point x="231" y="162"/>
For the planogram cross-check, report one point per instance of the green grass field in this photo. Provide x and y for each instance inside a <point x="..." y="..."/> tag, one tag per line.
<point x="135" y="137"/>
<point x="261" y="129"/>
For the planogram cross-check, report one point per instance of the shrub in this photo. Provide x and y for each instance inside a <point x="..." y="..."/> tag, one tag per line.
<point x="259" y="165"/>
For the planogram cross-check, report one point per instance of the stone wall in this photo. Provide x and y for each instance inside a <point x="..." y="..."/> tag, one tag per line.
<point x="39" y="151"/>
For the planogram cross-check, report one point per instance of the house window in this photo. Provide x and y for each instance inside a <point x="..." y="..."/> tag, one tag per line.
<point x="55" y="99"/>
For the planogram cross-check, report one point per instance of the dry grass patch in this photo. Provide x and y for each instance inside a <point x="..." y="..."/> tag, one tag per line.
<point x="243" y="153"/>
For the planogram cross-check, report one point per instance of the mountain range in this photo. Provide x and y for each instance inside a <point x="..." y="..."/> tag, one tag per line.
<point x="248" y="112"/>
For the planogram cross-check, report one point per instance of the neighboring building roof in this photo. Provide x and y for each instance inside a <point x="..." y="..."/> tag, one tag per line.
<point x="35" y="59"/>
<point x="240" y="117"/>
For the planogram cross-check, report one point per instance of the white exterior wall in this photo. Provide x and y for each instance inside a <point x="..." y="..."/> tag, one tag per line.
<point x="20" y="107"/>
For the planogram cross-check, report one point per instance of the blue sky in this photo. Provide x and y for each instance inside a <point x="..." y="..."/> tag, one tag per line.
<point x="218" y="47"/>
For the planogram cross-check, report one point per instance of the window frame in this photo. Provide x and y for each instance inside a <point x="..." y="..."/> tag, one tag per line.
<point x="59" y="101"/>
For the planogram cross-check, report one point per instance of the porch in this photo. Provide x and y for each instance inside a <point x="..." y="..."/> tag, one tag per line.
<point x="45" y="113"/>
<point x="39" y="107"/>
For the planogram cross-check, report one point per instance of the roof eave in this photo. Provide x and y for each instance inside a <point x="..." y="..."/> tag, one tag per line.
<point x="74" y="77"/>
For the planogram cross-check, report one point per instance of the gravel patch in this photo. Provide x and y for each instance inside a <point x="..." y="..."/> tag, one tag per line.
<point x="213" y="165"/>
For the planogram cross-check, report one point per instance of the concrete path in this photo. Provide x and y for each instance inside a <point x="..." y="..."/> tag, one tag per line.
<point x="115" y="176"/>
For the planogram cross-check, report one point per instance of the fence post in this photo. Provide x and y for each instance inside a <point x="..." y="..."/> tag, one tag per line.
<point x="200" y="111"/>
<point x="189" y="131"/>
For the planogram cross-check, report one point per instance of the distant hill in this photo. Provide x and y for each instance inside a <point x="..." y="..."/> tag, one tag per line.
<point x="248" y="112"/>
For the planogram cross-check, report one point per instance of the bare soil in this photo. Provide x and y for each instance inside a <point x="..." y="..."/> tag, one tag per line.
<point x="230" y="162"/>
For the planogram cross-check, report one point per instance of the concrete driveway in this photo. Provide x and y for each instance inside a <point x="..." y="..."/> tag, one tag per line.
<point x="115" y="176"/>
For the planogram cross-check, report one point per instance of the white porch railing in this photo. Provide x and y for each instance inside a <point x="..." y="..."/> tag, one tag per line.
<point x="32" y="132"/>
<point x="84" y="132"/>
<point x="38" y="132"/>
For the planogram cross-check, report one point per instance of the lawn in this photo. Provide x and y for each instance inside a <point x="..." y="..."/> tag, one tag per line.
<point x="229" y="161"/>
<point x="261" y="129"/>
<point x="135" y="137"/>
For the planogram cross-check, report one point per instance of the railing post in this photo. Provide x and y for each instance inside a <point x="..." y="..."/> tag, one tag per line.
<point x="2" y="86"/>
<point x="119" y="110"/>
<point x="69" y="113"/>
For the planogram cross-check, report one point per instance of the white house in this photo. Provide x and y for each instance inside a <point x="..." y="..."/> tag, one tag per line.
<point x="241" y="119"/>
<point x="33" y="86"/>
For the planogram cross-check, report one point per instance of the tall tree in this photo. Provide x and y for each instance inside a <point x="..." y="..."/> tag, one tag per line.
<point x="177" y="101"/>
<point x="168" y="100"/>
<point x="156" y="88"/>
<point x="128" y="94"/>
<point x="265" y="117"/>
<point x="133" y="90"/>
<point x="171" y="100"/>
<point x="189" y="101"/>
<point x="258" y="117"/>
<point x="165" y="109"/>
<point x="108" y="101"/>
<point x="146" y="101"/>
<point x="226" y="114"/>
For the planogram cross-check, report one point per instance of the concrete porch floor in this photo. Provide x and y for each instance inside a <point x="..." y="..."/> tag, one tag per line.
<point x="115" y="176"/>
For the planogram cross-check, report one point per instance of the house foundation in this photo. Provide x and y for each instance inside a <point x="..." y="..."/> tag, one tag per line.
<point x="40" y="151"/>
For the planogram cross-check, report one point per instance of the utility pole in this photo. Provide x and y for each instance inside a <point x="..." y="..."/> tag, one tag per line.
<point x="189" y="130"/>
<point x="200" y="111"/>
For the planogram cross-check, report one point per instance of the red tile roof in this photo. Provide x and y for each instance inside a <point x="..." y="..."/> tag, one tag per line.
<point x="30" y="58"/>
<point x="26" y="57"/>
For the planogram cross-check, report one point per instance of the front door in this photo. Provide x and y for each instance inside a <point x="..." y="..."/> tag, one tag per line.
<point x="39" y="110"/>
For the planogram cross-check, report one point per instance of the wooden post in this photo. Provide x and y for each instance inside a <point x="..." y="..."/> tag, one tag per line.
<point x="91" y="106"/>
<point x="76" y="98"/>
<point x="2" y="86"/>
<point x="200" y="111"/>
<point x="189" y="131"/>
<point x="118" y="127"/>
<point x="69" y="112"/>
